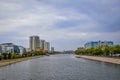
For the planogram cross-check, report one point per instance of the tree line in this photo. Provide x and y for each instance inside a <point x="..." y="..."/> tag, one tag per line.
<point x="5" y="56"/>
<point x="101" y="51"/>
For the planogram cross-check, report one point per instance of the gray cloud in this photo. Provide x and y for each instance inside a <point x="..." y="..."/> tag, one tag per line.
<point x="71" y="23"/>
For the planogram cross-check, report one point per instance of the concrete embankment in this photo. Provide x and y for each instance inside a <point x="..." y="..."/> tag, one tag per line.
<point x="103" y="59"/>
<point x="12" y="61"/>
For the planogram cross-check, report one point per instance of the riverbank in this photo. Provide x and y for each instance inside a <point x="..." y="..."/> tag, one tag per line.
<point x="103" y="59"/>
<point x="12" y="61"/>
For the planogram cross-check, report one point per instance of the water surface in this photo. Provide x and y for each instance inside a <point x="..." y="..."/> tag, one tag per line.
<point x="60" y="67"/>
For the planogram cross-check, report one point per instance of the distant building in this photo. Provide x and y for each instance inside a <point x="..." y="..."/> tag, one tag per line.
<point x="94" y="44"/>
<point x="47" y="46"/>
<point x="22" y="49"/>
<point x="80" y="48"/>
<point x="11" y="48"/>
<point x="34" y="42"/>
<point x="52" y="49"/>
<point x="27" y="49"/>
<point x="42" y="43"/>
<point x="4" y="46"/>
<point x="39" y="45"/>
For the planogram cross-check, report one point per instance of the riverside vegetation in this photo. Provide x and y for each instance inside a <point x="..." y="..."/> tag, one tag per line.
<point x="11" y="58"/>
<point x="100" y="51"/>
<point x="6" y="56"/>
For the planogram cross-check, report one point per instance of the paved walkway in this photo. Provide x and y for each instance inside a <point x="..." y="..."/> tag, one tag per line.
<point x="104" y="59"/>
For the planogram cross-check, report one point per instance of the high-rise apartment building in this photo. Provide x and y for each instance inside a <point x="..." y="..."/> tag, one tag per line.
<point x="52" y="49"/>
<point x="39" y="45"/>
<point x="34" y="42"/>
<point x="94" y="44"/>
<point x="47" y="46"/>
<point x="42" y="43"/>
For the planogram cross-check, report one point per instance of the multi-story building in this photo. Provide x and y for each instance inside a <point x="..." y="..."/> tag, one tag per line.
<point x="42" y="43"/>
<point x="80" y="48"/>
<point x="22" y="49"/>
<point x="4" y="46"/>
<point x="52" y="49"/>
<point x="94" y="44"/>
<point x="27" y="49"/>
<point x="47" y="46"/>
<point x="34" y="42"/>
<point x="10" y="48"/>
<point x="38" y="45"/>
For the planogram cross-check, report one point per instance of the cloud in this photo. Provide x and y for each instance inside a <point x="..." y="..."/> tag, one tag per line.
<point x="9" y="6"/>
<point x="61" y="22"/>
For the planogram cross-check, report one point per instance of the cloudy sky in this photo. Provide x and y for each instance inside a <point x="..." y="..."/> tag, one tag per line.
<point x="66" y="24"/>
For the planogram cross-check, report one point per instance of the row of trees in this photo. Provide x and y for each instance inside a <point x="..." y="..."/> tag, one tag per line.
<point x="5" y="56"/>
<point x="103" y="51"/>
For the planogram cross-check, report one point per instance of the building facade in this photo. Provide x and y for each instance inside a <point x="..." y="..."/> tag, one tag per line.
<point x="4" y="46"/>
<point x="94" y="44"/>
<point x="47" y="46"/>
<point x="22" y="49"/>
<point x="52" y="49"/>
<point x="80" y="48"/>
<point x="11" y="48"/>
<point x="42" y="44"/>
<point x="34" y="42"/>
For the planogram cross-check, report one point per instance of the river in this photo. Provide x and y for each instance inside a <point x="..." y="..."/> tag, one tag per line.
<point x="60" y="67"/>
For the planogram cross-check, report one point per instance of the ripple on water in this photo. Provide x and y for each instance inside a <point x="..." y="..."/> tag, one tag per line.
<point x="60" y="67"/>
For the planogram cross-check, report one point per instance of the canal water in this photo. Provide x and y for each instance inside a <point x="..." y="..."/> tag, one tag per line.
<point x="60" y="67"/>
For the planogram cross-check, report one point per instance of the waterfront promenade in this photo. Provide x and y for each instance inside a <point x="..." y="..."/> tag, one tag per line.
<point x="98" y="58"/>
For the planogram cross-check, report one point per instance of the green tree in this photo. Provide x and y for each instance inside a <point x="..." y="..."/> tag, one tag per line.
<point x="98" y="51"/>
<point x="106" y="50"/>
<point x="9" y="55"/>
<point x="13" y="56"/>
<point x="117" y="49"/>
<point x="5" y="55"/>
<point x="77" y="52"/>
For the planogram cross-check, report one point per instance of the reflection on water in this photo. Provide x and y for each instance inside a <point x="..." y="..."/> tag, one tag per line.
<point x="60" y="67"/>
